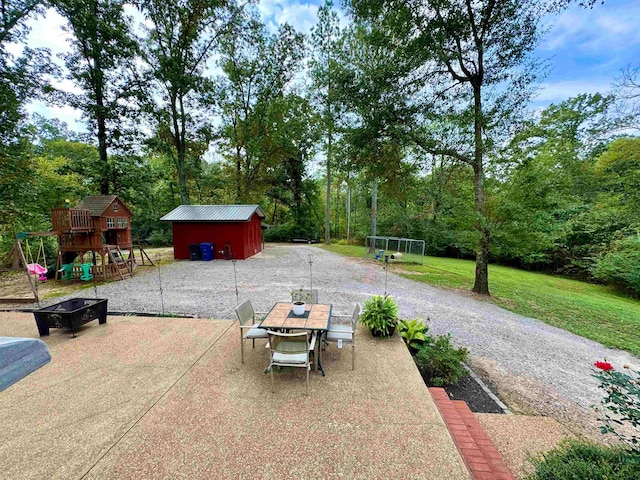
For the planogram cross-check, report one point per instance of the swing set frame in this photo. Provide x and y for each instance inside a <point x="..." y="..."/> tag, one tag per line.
<point x="18" y="262"/>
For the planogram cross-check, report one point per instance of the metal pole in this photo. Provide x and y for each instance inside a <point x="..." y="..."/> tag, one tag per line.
<point x="160" y="283"/>
<point x="235" y="279"/>
<point x="386" y="269"/>
<point x="423" y="244"/>
<point x="310" y="256"/>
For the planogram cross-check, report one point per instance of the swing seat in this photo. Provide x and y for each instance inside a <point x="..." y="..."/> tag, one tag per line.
<point x="86" y="274"/>
<point x="37" y="269"/>
<point x="67" y="269"/>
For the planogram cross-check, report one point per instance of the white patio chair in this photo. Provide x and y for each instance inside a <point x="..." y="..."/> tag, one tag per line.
<point x="306" y="296"/>
<point x="291" y="350"/>
<point x="346" y="333"/>
<point x="248" y="331"/>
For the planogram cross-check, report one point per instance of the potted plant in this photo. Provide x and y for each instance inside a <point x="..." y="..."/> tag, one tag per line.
<point x="298" y="308"/>
<point x="380" y="315"/>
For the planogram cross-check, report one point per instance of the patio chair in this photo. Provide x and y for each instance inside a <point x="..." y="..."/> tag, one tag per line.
<point x="291" y="350"/>
<point x="306" y="296"/>
<point x="248" y="330"/>
<point x="346" y="333"/>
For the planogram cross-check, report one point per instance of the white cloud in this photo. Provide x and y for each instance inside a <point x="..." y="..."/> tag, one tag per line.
<point x="70" y="116"/>
<point x="609" y="27"/>
<point x="553" y="92"/>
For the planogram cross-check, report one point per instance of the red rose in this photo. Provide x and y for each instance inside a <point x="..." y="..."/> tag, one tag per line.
<point x="606" y="366"/>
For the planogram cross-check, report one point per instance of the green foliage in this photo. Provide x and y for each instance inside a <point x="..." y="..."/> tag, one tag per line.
<point x="159" y="239"/>
<point x="442" y="361"/>
<point x="380" y="315"/>
<point x="621" y="405"/>
<point x="413" y="332"/>
<point x="575" y="460"/>
<point x="288" y="231"/>
<point x="620" y="265"/>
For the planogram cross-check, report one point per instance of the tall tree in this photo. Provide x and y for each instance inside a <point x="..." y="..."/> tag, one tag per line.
<point x="101" y="63"/>
<point x="20" y="80"/>
<point x="259" y="68"/>
<point x="326" y="41"/>
<point x="470" y="58"/>
<point x="181" y="38"/>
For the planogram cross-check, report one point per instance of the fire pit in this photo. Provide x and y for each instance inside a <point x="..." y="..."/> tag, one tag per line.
<point x="71" y="314"/>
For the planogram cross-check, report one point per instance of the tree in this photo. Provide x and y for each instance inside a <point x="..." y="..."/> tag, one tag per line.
<point x="102" y="56"/>
<point x="326" y="40"/>
<point x="20" y="79"/>
<point x="470" y="58"/>
<point x="259" y="69"/>
<point x="181" y="38"/>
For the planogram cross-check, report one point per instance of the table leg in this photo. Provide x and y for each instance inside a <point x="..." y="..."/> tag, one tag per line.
<point x="317" y="352"/>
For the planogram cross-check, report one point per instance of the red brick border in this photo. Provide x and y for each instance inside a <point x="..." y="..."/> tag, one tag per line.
<point x="481" y="457"/>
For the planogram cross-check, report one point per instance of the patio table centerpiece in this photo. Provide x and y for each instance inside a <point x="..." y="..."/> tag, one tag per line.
<point x="298" y="308"/>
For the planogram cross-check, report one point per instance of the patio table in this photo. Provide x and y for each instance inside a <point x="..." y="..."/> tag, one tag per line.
<point x="315" y="319"/>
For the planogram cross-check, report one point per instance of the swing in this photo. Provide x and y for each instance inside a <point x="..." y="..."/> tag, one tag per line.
<point x="35" y="268"/>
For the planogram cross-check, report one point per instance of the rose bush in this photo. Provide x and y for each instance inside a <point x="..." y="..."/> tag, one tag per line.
<point x="621" y="405"/>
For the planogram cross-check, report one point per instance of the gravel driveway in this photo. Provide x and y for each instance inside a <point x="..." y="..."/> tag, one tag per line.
<point x="535" y="367"/>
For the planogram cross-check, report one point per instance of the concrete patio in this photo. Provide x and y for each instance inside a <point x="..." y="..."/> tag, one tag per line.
<point x="144" y="397"/>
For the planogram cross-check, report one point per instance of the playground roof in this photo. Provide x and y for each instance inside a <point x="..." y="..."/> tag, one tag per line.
<point x="97" y="204"/>
<point x="212" y="213"/>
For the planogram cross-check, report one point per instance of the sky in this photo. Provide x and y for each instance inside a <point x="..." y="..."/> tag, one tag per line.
<point x="586" y="48"/>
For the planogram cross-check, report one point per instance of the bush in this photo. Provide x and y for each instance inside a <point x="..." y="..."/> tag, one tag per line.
<point x="414" y="333"/>
<point x="159" y="239"/>
<point x="575" y="460"/>
<point x="620" y="266"/>
<point x="441" y="361"/>
<point x="288" y="231"/>
<point x="621" y="406"/>
<point x="380" y="315"/>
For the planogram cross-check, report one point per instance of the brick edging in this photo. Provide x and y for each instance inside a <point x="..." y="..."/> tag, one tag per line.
<point x="476" y="448"/>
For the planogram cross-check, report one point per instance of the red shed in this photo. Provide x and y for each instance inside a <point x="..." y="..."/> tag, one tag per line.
<point x="239" y="226"/>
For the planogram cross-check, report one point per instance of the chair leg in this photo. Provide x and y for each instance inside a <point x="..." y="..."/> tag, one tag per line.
<point x="308" y="368"/>
<point x="353" y="356"/>
<point x="241" y="348"/>
<point x="273" y="385"/>
<point x="254" y="343"/>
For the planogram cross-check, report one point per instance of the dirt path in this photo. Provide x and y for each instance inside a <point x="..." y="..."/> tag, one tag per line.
<point x="535" y="367"/>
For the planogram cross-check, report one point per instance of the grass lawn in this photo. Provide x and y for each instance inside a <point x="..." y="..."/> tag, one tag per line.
<point x="592" y="311"/>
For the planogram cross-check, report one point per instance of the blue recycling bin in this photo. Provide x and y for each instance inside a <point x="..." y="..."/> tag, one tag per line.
<point x="207" y="250"/>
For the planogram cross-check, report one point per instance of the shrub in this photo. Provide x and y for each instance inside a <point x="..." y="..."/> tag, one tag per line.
<point x="442" y="361"/>
<point x="288" y="231"/>
<point x="159" y="238"/>
<point x="620" y="266"/>
<point x="380" y="315"/>
<point x="621" y="406"/>
<point x="414" y="333"/>
<point x="574" y="460"/>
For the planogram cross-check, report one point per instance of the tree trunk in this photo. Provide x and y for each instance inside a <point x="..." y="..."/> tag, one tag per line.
<point x="374" y="208"/>
<point x="348" y="213"/>
<point x="327" y="208"/>
<point x="481" y="284"/>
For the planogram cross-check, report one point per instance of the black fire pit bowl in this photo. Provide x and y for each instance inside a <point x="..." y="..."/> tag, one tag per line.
<point x="71" y="314"/>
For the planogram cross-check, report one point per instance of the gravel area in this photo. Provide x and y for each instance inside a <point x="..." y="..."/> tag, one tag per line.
<point x="536" y="368"/>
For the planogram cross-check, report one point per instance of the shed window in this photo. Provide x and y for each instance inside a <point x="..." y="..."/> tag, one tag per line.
<point x="120" y="222"/>
<point x="115" y="207"/>
<point x="110" y="223"/>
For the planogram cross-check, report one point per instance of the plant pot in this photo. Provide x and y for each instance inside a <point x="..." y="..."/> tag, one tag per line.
<point x="298" y="308"/>
<point x="380" y="333"/>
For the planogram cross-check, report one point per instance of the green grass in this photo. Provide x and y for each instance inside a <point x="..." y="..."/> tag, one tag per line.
<point x="592" y="311"/>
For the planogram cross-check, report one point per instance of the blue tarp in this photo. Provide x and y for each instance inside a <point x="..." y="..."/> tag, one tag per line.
<point x="19" y="357"/>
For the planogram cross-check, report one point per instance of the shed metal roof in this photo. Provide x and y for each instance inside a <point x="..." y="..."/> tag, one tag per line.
<point x="212" y="213"/>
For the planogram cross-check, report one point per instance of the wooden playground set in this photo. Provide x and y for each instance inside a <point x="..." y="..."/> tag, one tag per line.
<point x="94" y="241"/>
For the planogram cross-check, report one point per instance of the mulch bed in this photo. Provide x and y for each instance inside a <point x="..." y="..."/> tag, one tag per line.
<point x="470" y="391"/>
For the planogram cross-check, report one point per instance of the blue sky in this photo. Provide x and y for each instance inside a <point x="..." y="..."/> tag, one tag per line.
<point x="586" y="48"/>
